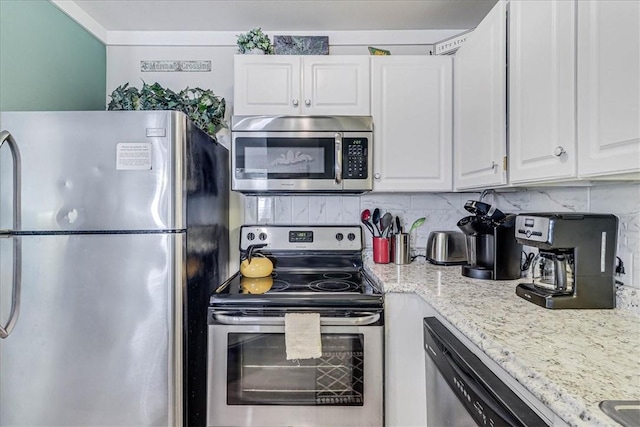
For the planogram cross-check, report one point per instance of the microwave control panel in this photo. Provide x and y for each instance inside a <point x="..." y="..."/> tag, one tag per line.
<point x="354" y="158"/>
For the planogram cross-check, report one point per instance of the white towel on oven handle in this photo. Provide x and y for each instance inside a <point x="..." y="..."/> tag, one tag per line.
<point x="302" y="335"/>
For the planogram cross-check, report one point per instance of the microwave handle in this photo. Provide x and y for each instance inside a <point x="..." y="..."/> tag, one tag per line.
<point x="338" y="164"/>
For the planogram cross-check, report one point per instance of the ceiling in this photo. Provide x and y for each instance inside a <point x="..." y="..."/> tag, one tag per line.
<point x="290" y="15"/>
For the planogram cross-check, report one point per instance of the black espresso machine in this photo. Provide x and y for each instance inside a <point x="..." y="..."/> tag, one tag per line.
<point x="492" y="250"/>
<point x="576" y="259"/>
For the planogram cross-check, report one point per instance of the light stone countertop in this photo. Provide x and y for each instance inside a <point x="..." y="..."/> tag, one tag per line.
<point x="569" y="359"/>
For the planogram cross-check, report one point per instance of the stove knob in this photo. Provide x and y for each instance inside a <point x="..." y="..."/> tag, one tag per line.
<point x="351" y="237"/>
<point x="339" y="237"/>
<point x="251" y="236"/>
<point x="262" y="236"/>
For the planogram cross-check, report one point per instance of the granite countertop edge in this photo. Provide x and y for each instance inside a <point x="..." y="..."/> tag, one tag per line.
<point x="571" y="408"/>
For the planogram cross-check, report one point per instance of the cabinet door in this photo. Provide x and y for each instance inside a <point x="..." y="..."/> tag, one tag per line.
<point x="541" y="90"/>
<point x="608" y="87"/>
<point x="479" y="106"/>
<point x="405" y="396"/>
<point x="412" y="112"/>
<point x="266" y="84"/>
<point x="336" y="85"/>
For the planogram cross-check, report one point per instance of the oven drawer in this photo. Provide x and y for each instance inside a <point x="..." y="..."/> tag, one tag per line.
<point x="250" y="382"/>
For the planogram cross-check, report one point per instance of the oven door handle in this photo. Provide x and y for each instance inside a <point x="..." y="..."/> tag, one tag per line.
<point x="230" y="318"/>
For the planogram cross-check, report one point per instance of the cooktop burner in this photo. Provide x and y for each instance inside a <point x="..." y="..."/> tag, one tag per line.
<point x="333" y="285"/>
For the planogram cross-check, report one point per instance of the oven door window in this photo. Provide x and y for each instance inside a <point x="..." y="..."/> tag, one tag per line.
<point x="259" y="374"/>
<point x="285" y="158"/>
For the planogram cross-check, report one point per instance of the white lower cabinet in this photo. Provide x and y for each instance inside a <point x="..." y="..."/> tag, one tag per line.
<point x="412" y="115"/>
<point x="405" y="389"/>
<point x="608" y="88"/>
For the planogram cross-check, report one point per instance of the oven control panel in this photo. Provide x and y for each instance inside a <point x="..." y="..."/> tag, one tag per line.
<point x="317" y="237"/>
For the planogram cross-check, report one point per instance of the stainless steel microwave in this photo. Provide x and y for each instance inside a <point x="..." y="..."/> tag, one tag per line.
<point x="301" y="154"/>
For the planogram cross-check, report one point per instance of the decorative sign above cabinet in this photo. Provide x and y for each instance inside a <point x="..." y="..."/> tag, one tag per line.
<point x="450" y="46"/>
<point x="197" y="66"/>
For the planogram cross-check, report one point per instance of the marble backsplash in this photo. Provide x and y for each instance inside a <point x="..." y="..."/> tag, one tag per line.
<point x="443" y="210"/>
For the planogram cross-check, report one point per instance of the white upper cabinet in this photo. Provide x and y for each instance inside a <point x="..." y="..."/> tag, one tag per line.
<point x="301" y="85"/>
<point x="412" y="113"/>
<point x="479" y="105"/>
<point x="542" y="49"/>
<point x="608" y="87"/>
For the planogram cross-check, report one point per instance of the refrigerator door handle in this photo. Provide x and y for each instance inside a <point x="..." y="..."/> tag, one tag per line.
<point x="17" y="246"/>
<point x="15" y="153"/>
<point x="15" y="293"/>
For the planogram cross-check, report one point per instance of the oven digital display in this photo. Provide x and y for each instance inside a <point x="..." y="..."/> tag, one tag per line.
<point x="528" y="222"/>
<point x="300" y="236"/>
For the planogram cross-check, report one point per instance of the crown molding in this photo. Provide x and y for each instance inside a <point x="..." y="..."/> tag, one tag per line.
<point x="71" y="9"/>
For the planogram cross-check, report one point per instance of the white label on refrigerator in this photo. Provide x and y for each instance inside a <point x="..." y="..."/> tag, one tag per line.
<point x="133" y="156"/>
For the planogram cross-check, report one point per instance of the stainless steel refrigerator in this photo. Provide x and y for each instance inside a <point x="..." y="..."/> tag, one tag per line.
<point x="113" y="234"/>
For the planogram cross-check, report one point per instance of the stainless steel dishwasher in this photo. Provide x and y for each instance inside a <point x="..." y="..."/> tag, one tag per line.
<point x="462" y="391"/>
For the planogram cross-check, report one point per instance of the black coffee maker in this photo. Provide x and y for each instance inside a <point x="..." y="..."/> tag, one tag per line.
<point x="492" y="250"/>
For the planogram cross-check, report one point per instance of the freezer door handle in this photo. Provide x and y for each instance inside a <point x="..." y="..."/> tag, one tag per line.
<point x="15" y="153"/>
<point x="5" y="137"/>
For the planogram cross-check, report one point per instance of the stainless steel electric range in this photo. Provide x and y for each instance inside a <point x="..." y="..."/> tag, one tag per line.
<point x="317" y="269"/>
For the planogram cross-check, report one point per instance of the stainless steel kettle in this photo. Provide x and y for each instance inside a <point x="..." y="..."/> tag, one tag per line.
<point x="553" y="271"/>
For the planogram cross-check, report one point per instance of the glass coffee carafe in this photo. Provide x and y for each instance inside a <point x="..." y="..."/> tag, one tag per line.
<point x="553" y="271"/>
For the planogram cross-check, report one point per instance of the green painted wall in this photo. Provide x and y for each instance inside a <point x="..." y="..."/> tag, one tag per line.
<point x="47" y="61"/>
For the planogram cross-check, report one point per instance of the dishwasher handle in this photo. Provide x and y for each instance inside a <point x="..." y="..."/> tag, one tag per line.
<point x="484" y="396"/>
<point x="230" y="318"/>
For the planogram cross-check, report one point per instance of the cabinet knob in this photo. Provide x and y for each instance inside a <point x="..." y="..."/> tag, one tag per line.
<point x="376" y="175"/>
<point x="295" y="102"/>
<point x="494" y="165"/>
<point x="559" y="151"/>
<point x="307" y="102"/>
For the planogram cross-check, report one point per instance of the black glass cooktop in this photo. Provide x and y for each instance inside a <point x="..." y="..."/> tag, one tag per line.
<point x="297" y="288"/>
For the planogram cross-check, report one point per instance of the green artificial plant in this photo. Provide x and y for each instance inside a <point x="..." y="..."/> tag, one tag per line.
<point x="203" y="107"/>
<point x="255" y="39"/>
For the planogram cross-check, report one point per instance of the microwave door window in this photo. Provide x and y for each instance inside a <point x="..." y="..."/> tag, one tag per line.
<point x="286" y="158"/>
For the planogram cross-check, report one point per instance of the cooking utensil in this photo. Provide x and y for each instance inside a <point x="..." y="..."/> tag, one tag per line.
<point x="385" y="223"/>
<point x="365" y="216"/>
<point x="417" y="223"/>
<point x="376" y="218"/>
<point x="398" y="226"/>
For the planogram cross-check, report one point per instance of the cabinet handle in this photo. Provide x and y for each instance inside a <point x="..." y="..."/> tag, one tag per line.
<point x="295" y="102"/>
<point x="559" y="151"/>
<point x="494" y="165"/>
<point x="376" y="175"/>
<point x="307" y="102"/>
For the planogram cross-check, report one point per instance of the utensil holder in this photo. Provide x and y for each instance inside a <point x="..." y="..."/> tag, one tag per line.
<point x="381" y="250"/>
<point x="401" y="248"/>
